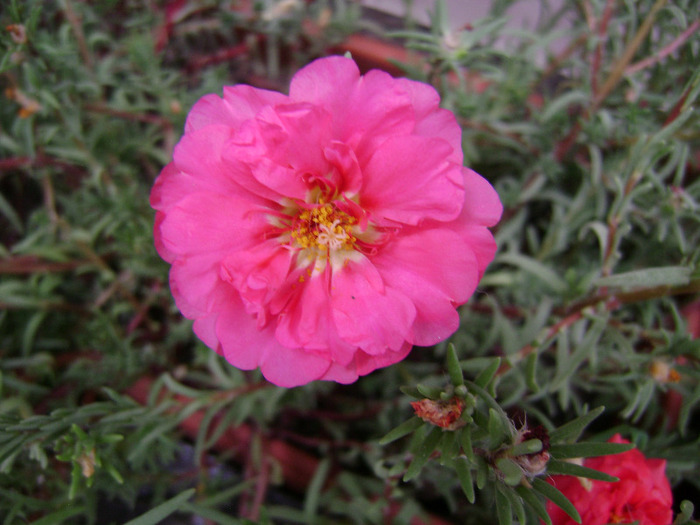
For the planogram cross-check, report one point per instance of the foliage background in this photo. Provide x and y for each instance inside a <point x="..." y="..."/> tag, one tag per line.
<point x="111" y="410"/>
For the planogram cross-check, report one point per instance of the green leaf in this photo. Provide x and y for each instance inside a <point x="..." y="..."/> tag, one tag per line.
<point x="512" y="473"/>
<point x="496" y="430"/>
<point x="453" y="367"/>
<point x="572" y="430"/>
<point x="213" y="515"/>
<point x="482" y="472"/>
<point x="588" y="449"/>
<point x="503" y="509"/>
<point x="162" y="511"/>
<point x="572" y="469"/>
<point x="487" y="374"/>
<point x="531" y="446"/>
<point x="555" y="495"/>
<point x="313" y="493"/>
<point x="516" y="502"/>
<point x="531" y="372"/>
<point x="649" y="277"/>
<point x="537" y="269"/>
<point x="466" y="441"/>
<point x="431" y="392"/>
<point x="425" y="449"/>
<point x="534" y="503"/>
<point x="60" y="516"/>
<point x="464" y="473"/>
<point x="403" y="429"/>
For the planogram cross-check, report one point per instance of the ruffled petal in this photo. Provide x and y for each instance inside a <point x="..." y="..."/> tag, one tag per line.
<point x="482" y="204"/>
<point x="431" y="120"/>
<point x="222" y="169"/>
<point x="328" y="82"/>
<point x="354" y="296"/>
<point x="435" y="284"/>
<point x="194" y="283"/>
<point x="258" y="274"/>
<point x="378" y="109"/>
<point x="212" y="223"/>
<point x="288" y="367"/>
<point x="240" y="103"/>
<point x="408" y="180"/>
<point x="366" y="363"/>
<point x="306" y="320"/>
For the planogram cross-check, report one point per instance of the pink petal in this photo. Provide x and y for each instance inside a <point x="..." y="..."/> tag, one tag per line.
<point x="167" y="190"/>
<point x="431" y="120"/>
<point x="408" y="180"/>
<point x="378" y="109"/>
<point x="166" y="254"/>
<point x="341" y="374"/>
<point x="288" y="367"/>
<point x="247" y="347"/>
<point x="482" y="204"/>
<point x="205" y="328"/>
<point x="366" y="110"/>
<point x="328" y="82"/>
<point x="366" y="316"/>
<point x="243" y="343"/>
<point x="297" y="135"/>
<point x="240" y="103"/>
<point x="211" y="223"/>
<point x="194" y="283"/>
<point x="480" y="241"/>
<point x="258" y="274"/>
<point x="367" y="363"/>
<point x="347" y="175"/>
<point x="435" y="284"/>
<point x="306" y="319"/>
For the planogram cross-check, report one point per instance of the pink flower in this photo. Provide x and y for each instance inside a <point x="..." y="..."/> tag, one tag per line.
<point x="643" y="493"/>
<point x="322" y="234"/>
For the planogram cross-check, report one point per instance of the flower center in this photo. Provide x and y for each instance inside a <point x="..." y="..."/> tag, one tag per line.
<point x="324" y="227"/>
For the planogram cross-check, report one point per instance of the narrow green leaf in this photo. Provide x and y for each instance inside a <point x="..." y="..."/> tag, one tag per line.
<point x="512" y="473"/>
<point x="313" y="493"/>
<point x="487" y="374"/>
<point x="531" y="372"/>
<point x="503" y="509"/>
<point x="464" y="473"/>
<point x="60" y="516"/>
<point x="411" y="391"/>
<point x="531" y="446"/>
<point x="425" y="449"/>
<point x="572" y="430"/>
<point x="529" y="265"/>
<point x="482" y="472"/>
<point x="552" y="493"/>
<point x="403" y="429"/>
<point x="453" y="367"/>
<point x="572" y="469"/>
<point x="531" y="499"/>
<point x="516" y="502"/>
<point x="588" y="449"/>
<point x="495" y="427"/>
<point x="662" y="276"/>
<point x="213" y="515"/>
<point x="466" y="440"/>
<point x="431" y="392"/>
<point x="162" y="511"/>
<point x="449" y="446"/>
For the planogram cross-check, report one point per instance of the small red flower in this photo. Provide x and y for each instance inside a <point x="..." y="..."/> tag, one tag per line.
<point x="642" y="495"/>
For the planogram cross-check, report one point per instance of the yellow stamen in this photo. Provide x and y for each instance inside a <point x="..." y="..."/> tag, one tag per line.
<point x="324" y="228"/>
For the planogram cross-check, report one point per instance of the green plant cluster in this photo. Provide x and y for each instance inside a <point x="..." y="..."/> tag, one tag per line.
<point x="111" y="411"/>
